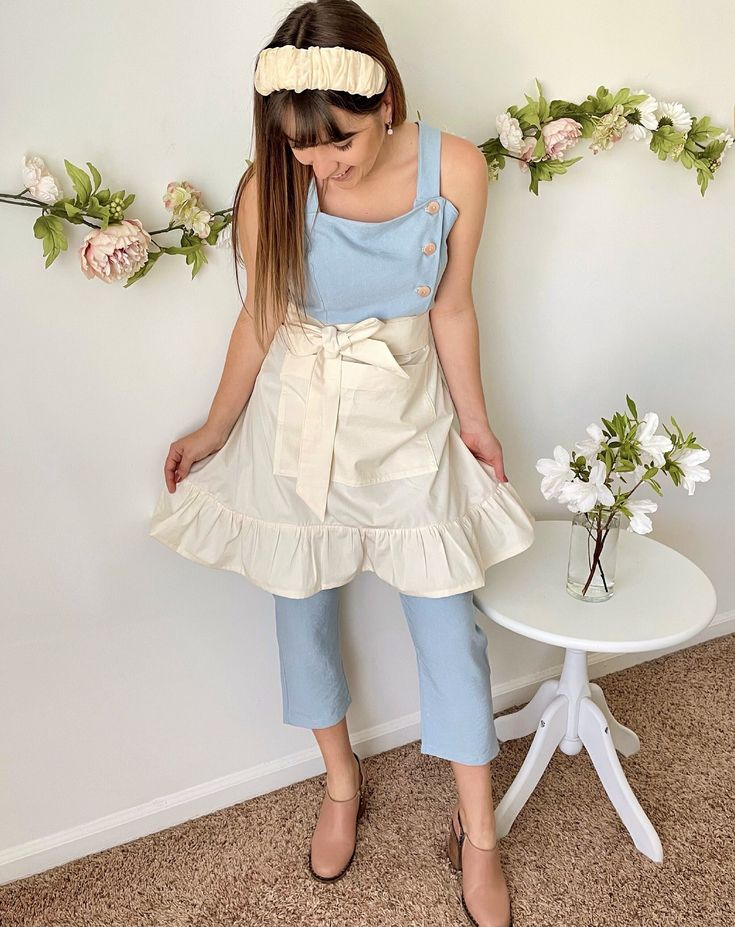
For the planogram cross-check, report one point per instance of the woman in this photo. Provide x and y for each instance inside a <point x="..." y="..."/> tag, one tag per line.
<point x="331" y="445"/>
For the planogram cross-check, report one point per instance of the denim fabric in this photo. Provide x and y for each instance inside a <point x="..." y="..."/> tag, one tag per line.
<point x="451" y="656"/>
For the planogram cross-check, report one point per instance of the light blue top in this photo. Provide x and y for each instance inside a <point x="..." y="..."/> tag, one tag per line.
<point x="358" y="269"/>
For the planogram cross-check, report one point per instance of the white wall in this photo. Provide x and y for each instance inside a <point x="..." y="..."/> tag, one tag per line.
<point x="137" y="688"/>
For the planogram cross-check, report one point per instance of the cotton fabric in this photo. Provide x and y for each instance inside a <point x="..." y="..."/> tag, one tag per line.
<point x="451" y="657"/>
<point x="347" y="456"/>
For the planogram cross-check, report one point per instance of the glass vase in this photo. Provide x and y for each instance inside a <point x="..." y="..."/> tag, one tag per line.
<point x="593" y="546"/>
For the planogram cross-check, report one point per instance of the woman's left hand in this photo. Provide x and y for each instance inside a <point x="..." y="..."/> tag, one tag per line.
<point x="485" y="445"/>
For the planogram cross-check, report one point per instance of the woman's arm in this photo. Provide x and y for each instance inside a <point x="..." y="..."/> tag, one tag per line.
<point x="453" y="318"/>
<point x="244" y="355"/>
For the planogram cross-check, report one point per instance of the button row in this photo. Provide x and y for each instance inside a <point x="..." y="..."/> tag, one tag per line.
<point x="432" y="207"/>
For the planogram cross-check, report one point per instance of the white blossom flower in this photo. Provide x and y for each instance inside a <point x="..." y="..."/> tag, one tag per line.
<point x="555" y="471"/>
<point x="224" y="238"/>
<point x="184" y="203"/>
<point x="609" y="129"/>
<point x="510" y="132"/>
<point x="584" y="495"/>
<point x="493" y="170"/>
<point x="590" y="447"/>
<point x="675" y="115"/>
<point x="652" y="446"/>
<point x="689" y="460"/>
<point x="645" y="117"/>
<point x="640" y="523"/>
<point x="40" y="182"/>
<point x="197" y="220"/>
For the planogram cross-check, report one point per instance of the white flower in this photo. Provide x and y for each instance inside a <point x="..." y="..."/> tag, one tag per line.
<point x="583" y="495"/>
<point x="224" y="238"/>
<point x="724" y="137"/>
<point x="590" y="447"/>
<point x="646" y="119"/>
<point x="675" y="114"/>
<point x="197" y="220"/>
<point x="184" y="202"/>
<point x="40" y="182"/>
<point x="689" y="460"/>
<point x="652" y="445"/>
<point x="556" y="472"/>
<point x="640" y="523"/>
<point x="493" y="170"/>
<point x="510" y="132"/>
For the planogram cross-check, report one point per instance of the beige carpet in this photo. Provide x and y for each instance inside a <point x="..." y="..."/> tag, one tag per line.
<point x="568" y="859"/>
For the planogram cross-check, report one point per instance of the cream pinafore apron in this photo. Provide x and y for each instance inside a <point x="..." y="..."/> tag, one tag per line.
<point x="347" y="455"/>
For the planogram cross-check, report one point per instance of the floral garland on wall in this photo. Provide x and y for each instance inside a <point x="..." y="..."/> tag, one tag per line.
<point x="538" y="136"/>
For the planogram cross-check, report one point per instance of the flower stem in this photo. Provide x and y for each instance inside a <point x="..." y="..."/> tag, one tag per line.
<point x="601" y="534"/>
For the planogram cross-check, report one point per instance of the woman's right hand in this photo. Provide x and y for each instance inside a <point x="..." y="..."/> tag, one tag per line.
<point x="186" y="451"/>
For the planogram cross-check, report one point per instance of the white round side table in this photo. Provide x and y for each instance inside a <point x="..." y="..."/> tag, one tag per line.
<point x="661" y="599"/>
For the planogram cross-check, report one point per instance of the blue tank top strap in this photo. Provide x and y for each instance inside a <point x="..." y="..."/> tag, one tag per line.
<point x="429" y="162"/>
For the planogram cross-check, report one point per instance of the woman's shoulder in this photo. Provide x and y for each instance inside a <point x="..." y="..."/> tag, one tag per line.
<point x="463" y="169"/>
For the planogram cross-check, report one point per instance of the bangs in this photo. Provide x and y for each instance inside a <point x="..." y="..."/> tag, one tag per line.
<point x="308" y="123"/>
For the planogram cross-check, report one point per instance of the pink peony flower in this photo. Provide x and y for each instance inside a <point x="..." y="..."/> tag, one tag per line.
<point x="560" y="135"/>
<point x="526" y="152"/>
<point x="116" y="252"/>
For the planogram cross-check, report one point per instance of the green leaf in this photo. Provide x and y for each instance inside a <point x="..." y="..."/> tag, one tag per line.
<point x="96" y="176"/>
<point x="631" y="406"/>
<point x="72" y="210"/>
<point x="80" y="180"/>
<point x="51" y="230"/>
<point x="625" y="466"/>
<point x="533" y="185"/>
<point x="676" y="425"/>
<point x="40" y="227"/>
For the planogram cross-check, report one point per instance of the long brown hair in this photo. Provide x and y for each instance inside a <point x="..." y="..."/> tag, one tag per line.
<point x="282" y="182"/>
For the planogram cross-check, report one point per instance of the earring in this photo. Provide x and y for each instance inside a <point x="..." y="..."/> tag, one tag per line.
<point x="390" y="127"/>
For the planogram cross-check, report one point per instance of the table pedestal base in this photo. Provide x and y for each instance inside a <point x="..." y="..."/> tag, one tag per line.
<point x="571" y="713"/>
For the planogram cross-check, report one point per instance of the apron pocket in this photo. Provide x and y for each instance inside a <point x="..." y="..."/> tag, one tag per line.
<point x="382" y="423"/>
<point x="382" y="434"/>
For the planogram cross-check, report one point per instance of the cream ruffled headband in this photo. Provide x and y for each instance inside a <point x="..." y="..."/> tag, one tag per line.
<point x="286" y="67"/>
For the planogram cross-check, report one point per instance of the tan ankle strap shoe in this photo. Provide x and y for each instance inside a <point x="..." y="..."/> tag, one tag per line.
<point x="334" y="840"/>
<point x="485" y="895"/>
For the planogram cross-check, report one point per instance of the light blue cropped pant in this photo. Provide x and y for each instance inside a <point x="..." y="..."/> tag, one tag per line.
<point x="453" y="670"/>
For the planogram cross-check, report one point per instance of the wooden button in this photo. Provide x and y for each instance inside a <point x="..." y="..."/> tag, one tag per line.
<point x="429" y="247"/>
<point x="423" y="290"/>
<point x="432" y="207"/>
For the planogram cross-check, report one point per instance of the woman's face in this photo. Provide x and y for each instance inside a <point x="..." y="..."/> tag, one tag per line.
<point x="353" y="158"/>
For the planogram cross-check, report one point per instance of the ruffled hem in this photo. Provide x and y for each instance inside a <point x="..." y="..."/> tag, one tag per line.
<point x="432" y="560"/>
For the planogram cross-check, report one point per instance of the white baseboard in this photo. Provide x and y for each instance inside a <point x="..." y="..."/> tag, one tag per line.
<point x="36" y="856"/>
